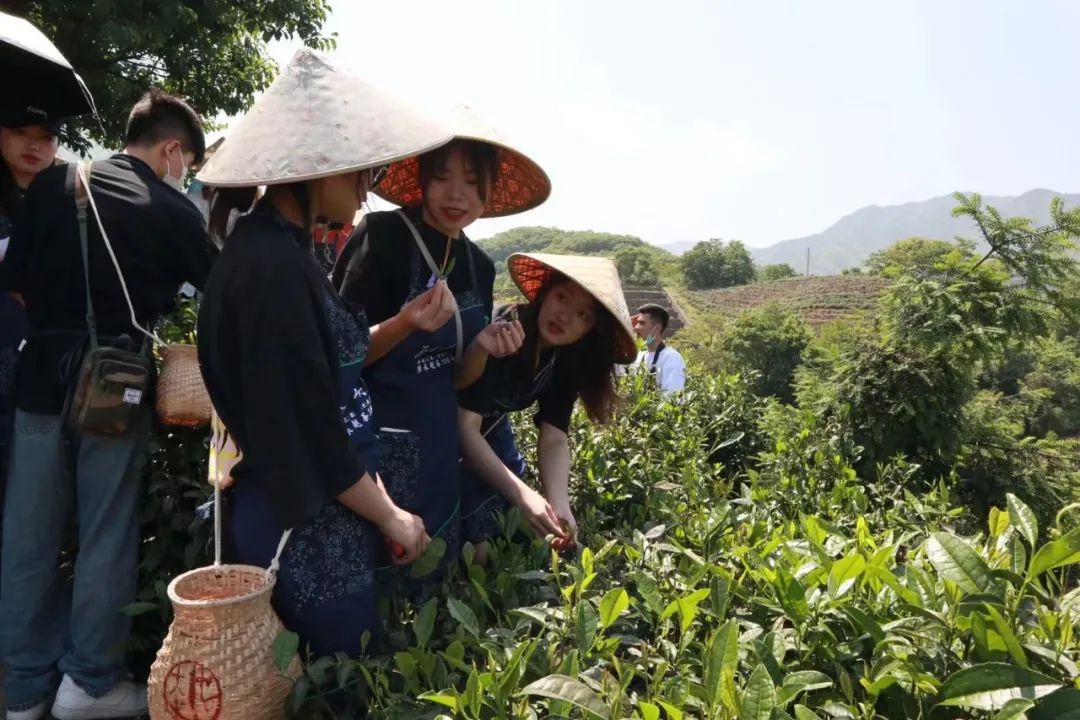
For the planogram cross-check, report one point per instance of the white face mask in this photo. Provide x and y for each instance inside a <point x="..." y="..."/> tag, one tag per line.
<point x="176" y="183"/>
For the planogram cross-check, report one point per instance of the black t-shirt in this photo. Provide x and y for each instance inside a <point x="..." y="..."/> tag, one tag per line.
<point x="270" y="360"/>
<point x="159" y="239"/>
<point x="373" y="270"/>
<point x="515" y="382"/>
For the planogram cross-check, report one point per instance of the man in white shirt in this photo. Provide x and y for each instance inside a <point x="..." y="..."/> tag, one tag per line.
<point x="664" y="362"/>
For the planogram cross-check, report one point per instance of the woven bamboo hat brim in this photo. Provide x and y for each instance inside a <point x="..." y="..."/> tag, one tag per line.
<point x="316" y="121"/>
<point x="521" y="184"/>
<point x="598" y="276"/>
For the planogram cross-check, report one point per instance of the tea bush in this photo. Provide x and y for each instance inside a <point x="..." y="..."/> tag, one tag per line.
<point x="900" y="541"/>
<point x="734" y="565"/>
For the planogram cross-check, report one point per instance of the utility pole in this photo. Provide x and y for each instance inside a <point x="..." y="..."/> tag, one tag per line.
<point x="807" y="262"/>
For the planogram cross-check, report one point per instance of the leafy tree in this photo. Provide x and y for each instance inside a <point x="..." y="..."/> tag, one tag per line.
<point x="211" y="52"/>
<point x="905" y="389"/>
<point x="713" y="264"/>
<point x="776" y="271"/>
<point x="1055" y="376"/>
<point x="913" y="256"/>
<point x="637" y="266"/>
<point x="852" y="271"/>
<point x="769" y="343"/>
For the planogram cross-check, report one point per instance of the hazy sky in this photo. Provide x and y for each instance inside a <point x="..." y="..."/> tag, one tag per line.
<point x="754" y="120"/>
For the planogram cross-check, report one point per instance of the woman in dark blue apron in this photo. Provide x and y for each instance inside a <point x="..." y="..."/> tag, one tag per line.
<point x="282" y="356"/>
<point x="577" y="329"/>
<point x="393" y="265"/>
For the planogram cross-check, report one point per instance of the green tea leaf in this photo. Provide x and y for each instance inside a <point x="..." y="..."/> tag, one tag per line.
<point x="799" y="682"/>
<point x="424" y="622"/>
<point x="464" y="615"/>
<point x="688" y="608"/>
<point x="1012" y="644"/>
<point x="1023" y="518"/>
<point x="585" y="626"/>
<point x="649" y="592"/>
<point x="673" y="712"/>
<point x="139" y="608"/>
<point x="988" y="686"/>
<point x="614" y="604"/>
<point x="429" y="561"/>
<point x="723" y="655"/>
<point x="998" y="523"/>
<point x="759" y="696"/>
<point x="720" y="586"/>
<point x="567" y="689"/>
<point x="1061" y="705"/>
<point x="958" y="562"/>
<point x="648" y="711"/>
<point x="844" y="573"/>
<point x="865" y="623"/>
<point x="804" y="713"/>
<point x="1017" y="554"/>
<point x="1063" y="551"/>
<point x="345" y="671"/>
<point x="446" y="698"/>
<point x="284" y="649"/>
<point x="1014" y="709"/>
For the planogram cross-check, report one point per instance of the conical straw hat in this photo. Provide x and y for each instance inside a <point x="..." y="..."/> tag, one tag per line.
<point x="521" y="184"/>
<point x="598" y="276"/>
<point x="315" y="121"/>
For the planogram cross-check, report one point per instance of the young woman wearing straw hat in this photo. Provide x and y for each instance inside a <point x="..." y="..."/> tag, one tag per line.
<point x="393" y="257"/>
<point x="282" y="354"/>
<point x="577" y="329"/>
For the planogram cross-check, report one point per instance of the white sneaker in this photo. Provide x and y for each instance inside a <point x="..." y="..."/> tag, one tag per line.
<point x="126" y="699"/>
<point x="35" y="713"/>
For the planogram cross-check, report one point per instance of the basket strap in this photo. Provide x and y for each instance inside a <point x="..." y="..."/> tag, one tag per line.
<point x="217" y="522"/>
<point x="275" y="564"/>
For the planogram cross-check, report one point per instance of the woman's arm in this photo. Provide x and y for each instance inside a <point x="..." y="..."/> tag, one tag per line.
<point x="471" y="367"/>
<point x="553" y="450"/>
<point x="482" y="459"/>
<point x="369" y="500"/>
<point x="499" y="339"/>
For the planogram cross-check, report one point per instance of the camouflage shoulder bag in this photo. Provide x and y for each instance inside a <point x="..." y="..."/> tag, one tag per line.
<point x="111" y="389"/>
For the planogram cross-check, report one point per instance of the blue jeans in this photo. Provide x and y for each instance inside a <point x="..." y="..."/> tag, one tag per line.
<point x="48" y="626"/>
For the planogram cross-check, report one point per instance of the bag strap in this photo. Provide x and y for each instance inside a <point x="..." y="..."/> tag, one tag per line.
<point x="435" y="269"/>
<point x="79" y="179"/>
<point x="656" y="356"/>
<point x="83" y="176"/>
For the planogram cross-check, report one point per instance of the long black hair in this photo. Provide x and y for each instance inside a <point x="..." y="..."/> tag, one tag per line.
<point x="593" y="356"/>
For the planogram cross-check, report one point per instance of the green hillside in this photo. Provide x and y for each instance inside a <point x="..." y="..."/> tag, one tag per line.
<point x="818" y="299"/>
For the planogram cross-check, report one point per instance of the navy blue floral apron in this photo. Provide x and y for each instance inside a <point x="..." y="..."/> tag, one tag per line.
<point x="413" y="389"/>
<point x="326" y="590"/>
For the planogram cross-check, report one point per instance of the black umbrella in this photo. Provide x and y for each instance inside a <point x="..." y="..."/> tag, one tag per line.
<point x="38" y="80"/>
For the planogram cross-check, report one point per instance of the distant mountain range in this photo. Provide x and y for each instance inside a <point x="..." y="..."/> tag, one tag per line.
<point x="852" y="239"/>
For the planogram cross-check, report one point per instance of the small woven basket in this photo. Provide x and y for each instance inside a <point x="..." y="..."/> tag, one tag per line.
<point x="217" y="660"/>
<point x="182" y="399"/>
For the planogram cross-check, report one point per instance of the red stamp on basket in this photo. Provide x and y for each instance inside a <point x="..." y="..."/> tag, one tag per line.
<point x="192" y="692"/>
